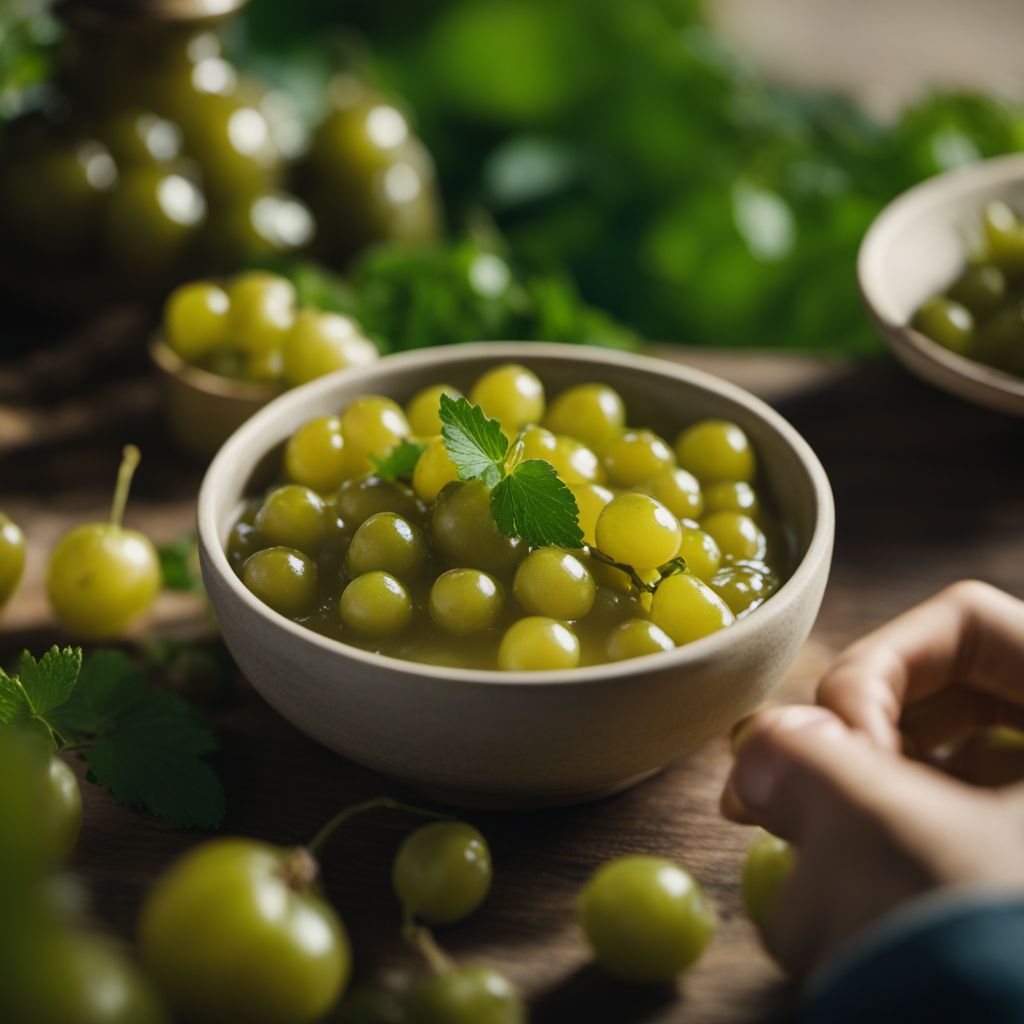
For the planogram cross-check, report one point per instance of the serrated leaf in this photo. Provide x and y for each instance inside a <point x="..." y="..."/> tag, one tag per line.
<point x="13" y="703"/>
<point x="400" y="461"/>
<point x="475" y="444"/>
<point x="179" y="564"/>
<point x="49" y="682"/>
<point x="152" y="757"/>
<point x="532" y="503"/>
<point x="108" y="684"/>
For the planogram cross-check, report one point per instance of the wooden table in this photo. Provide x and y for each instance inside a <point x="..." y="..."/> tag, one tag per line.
<point x="927" y="490"/>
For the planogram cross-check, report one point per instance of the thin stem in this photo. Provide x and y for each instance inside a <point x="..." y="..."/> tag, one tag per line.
<point x="378" y="802"/>
<point x="422" y="940"/>
<point x="600" y="556"/>
<point x="129" y="460"/>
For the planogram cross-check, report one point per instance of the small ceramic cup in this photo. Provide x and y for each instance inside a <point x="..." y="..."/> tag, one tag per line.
<point x="202" y="409"/>
<point x="916" y="246"/>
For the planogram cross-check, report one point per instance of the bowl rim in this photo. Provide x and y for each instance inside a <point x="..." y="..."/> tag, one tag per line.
<point x="908" y="343"/>
<point x="818" y="548"/>
<point x="207" y="382"/>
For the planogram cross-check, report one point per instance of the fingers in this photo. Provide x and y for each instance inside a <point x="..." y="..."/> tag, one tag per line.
<point x="799" y="764"/>
<point x="970" y="633"/>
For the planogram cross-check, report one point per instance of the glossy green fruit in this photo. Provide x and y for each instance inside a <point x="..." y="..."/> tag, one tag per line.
<point x="442" y="872"/>
<point x="320" y="343"/>
<point x="688" y="609"/>
<point x="293" y="516"/>
<point x="367" y="176"/>
<point x="83" y="979"/>
<point x="593" y="413"/>
<point x="555" y="583"/>
<point x="646" y="919"/>
<point x="197" y="319"/>
<point x="315" y="455"/>
<point x="744" y="586"/>
<point x="466" y="995"/>
<point x="233" y="933"/>
<point x="590" y="500"/>
<point x="433" y="470"/>
<point x="464" y="601"/>
<point x="465" y="532"/>
<point x="768" y="865"/>
<point x="376" y="604"/>
<point x="102" y="577"/>
<point x="679" y="491"/>
<point x="372" y="426"/>
<point x="715" y="450"/>
<point x="947" y="322"/>
<point x="701" y="553"/>
<point x="638" y="530"/>
<point x="283" y="578"/>
<point x="150" y="220"/>
<point x="635" y="638"/>
<point x="262" y="311"/>
<point x="65" y="798"/>
<point x="510" y="394"/>
<point x="737" y="535"/>
<point x="422" y="410"/>
<point x="12" y="557"/>
<point x="361" y="497"/>
<point x="536" y="644"/>
<point x="981" y="288"/>
<point x="388" y="542"/>
<point x="636" y="456"/>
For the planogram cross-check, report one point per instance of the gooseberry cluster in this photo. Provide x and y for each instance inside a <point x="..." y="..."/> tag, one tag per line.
<point x="409" y="560"/>
<point x="251" y="329"/>
<point x="981" y="314"/>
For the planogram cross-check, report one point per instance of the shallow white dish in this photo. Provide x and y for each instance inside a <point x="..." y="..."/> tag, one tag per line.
<point x="916" y="246"/>
<point x="493" y="738"/>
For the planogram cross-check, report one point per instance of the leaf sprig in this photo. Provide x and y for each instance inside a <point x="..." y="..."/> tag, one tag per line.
<point x="145" y="745"/>
<point x="528" y="500"/>
<point x="400" y="462"/>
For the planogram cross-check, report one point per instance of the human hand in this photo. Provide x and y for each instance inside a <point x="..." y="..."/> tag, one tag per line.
<point x="872" y="828"/>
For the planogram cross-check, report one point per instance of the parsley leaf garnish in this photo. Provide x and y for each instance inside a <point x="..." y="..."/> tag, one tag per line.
<point x="532" y="503"/>
<point x="475" y="444"/>
<point x="145" y="745"/>
<point x="528" y="501"/>
<point x="400" y="461"/>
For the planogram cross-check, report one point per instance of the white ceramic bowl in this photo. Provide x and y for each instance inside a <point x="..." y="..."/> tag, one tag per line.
<point x="506" y="738"/>
<point x="916" y="246"/>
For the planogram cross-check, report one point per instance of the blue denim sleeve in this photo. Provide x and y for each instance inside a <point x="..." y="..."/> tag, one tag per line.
<point x="962" y="961"/>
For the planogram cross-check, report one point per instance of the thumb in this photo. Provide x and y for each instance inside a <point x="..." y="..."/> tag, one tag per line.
<point x="798" y="765"/>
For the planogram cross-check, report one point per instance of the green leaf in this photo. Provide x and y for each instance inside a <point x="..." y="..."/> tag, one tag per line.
<point x="179" y="564"/>
<point x="400" y="461"/>
<point x="108" y="684"/>
<point x="13" y="703"/>
<point x="49" y="682"/>
<point x="475" y="444"/>
<point x="532" y="503"/>
<point x="152" y="756"/>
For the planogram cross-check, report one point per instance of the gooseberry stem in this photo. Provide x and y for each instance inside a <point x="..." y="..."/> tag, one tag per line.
<point x="634" y="576"/>
<point x="129" y="461"/>
<point x="377" y="803"/>
<point x="422" y="940"/>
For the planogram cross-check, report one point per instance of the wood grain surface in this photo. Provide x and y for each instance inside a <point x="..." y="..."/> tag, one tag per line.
<point x="928" y="490"/>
